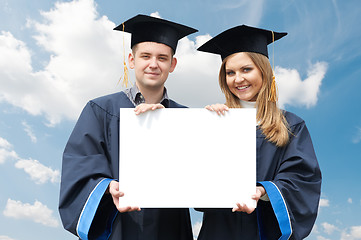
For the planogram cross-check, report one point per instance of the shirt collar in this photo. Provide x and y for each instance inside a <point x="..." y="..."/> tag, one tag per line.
<point x="247" y="104"/>
<point x="137" y="97"/>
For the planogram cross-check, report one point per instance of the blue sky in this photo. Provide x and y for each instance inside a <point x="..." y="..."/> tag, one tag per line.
<point x="55" y="56"/>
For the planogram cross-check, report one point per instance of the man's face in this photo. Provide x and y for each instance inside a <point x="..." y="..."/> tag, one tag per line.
<point x="152" y="62"/>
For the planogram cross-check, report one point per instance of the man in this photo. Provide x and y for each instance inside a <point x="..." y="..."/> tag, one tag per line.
<point x="89" y="194"/>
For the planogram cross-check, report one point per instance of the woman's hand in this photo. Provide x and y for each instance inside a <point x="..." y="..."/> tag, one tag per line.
<point x="241" y="207"/>
<point x="144" y="107"/>
<point x="113" y="189"/>
<point x="220" y="109"/>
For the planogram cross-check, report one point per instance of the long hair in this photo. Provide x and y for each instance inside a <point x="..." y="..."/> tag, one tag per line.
<point x="270" y="118"/>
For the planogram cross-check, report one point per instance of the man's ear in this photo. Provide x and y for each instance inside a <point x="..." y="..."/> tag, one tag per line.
<point x="131" y="61"/>
<point x="173" y="64"/>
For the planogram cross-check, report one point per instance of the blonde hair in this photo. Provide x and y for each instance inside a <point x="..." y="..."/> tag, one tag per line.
<point x="270" y="118"/>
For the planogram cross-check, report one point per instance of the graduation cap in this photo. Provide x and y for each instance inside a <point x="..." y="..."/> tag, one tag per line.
<point x="241" y="39"/>
<point x="244" y="39"/>
<point x="150" y="29"/>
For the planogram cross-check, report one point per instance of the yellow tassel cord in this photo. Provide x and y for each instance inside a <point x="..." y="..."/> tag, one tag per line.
<point x="273" y="91"/>
<point x="273" y="96"/>
<point x="125" y="81"/>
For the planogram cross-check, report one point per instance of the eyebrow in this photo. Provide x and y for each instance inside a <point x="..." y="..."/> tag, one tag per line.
<point x="247" y="65"/>
<point x="160" y="55"/>
<point x="164" y="55"/>
<point x="146" y="53"/>
<point x="243" y="66"/>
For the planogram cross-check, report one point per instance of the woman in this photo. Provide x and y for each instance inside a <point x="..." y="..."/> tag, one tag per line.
<point x="288" y="174"/>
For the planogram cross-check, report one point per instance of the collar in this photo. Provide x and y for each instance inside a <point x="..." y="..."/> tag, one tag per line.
<point x="247" y="104"/>
<point x="137" y="97"/>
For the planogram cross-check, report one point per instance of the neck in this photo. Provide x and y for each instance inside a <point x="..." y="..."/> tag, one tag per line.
<point x="151" y="96"/>
<point x="247" y="104"/>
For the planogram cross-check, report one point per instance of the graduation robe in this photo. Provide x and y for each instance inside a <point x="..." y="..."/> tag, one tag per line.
<point x="90" y="162"/>
<point x="292" y="179"/>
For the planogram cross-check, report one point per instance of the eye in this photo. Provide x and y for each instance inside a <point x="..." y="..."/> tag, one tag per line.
<point x="145" y="56"/>
<point x="163" y="58"/>
<point x="247" y="69"/>
<point x="229" y="73"/>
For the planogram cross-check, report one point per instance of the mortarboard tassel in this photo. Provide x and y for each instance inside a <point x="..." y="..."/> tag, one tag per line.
<point x="273" y="91"/>
<point x="125" y="81"/>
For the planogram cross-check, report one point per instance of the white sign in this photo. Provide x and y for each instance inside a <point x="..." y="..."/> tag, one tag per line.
<point x="173" y="158"/>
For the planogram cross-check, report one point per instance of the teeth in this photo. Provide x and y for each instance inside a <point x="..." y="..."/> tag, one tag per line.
<point x="240" y="88"/>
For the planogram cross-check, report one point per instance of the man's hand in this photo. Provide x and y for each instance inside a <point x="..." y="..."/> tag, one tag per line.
<point x="116" y="194"/>
<point x="144" y="107"/>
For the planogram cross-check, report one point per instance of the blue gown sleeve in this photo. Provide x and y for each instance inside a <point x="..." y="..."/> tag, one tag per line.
<point x="86" y="174"/>
<point x="294" y="193"/>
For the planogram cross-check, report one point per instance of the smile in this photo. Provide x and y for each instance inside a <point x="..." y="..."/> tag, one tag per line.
<point x="152" y="73"/>
<point x="243" y="87"/>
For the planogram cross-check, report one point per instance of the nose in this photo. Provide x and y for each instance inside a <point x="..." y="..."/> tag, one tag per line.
<point x="153" y="63"/>
<point x="239" y="77"/>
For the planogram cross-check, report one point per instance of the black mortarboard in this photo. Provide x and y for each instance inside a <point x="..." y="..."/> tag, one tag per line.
<point x="241" y="39"/>
<point x="150" y="29"/>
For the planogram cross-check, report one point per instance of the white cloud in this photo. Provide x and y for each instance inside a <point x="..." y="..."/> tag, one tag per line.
<point x="328" y="228"/>
<point x="196" y="228"/>
<point x="6" y="154"/>
<point x="349" y="200"/>
<point x="37" y="212"/>
<point x="2" y="237"/>
<point x="6" y="151"/>
<point x="322" y="238"/>
<point x="38" y="172"/>
<point x="351" y="234"/>
<point x="195" y="79"/>
<point x="356" y="232"/>
<point x="29" y="131"/>
<point x="5" y="144"/>
<point x="156" y="15"/>
<point x="324" y="202"/>
<point x="294" y="91"/>
<point x="15" y="73"/>
<point x="86" y="62"/>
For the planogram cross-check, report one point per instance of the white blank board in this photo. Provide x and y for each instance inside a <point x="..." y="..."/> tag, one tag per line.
<point x="173" y="158"/>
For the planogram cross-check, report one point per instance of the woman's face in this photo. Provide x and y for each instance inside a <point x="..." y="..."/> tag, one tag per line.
<point x="243" y="78"/>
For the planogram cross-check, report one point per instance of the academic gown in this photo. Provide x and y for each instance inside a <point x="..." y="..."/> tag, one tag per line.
<point x="292" y="179"/>
<point x="90" y="162"/>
